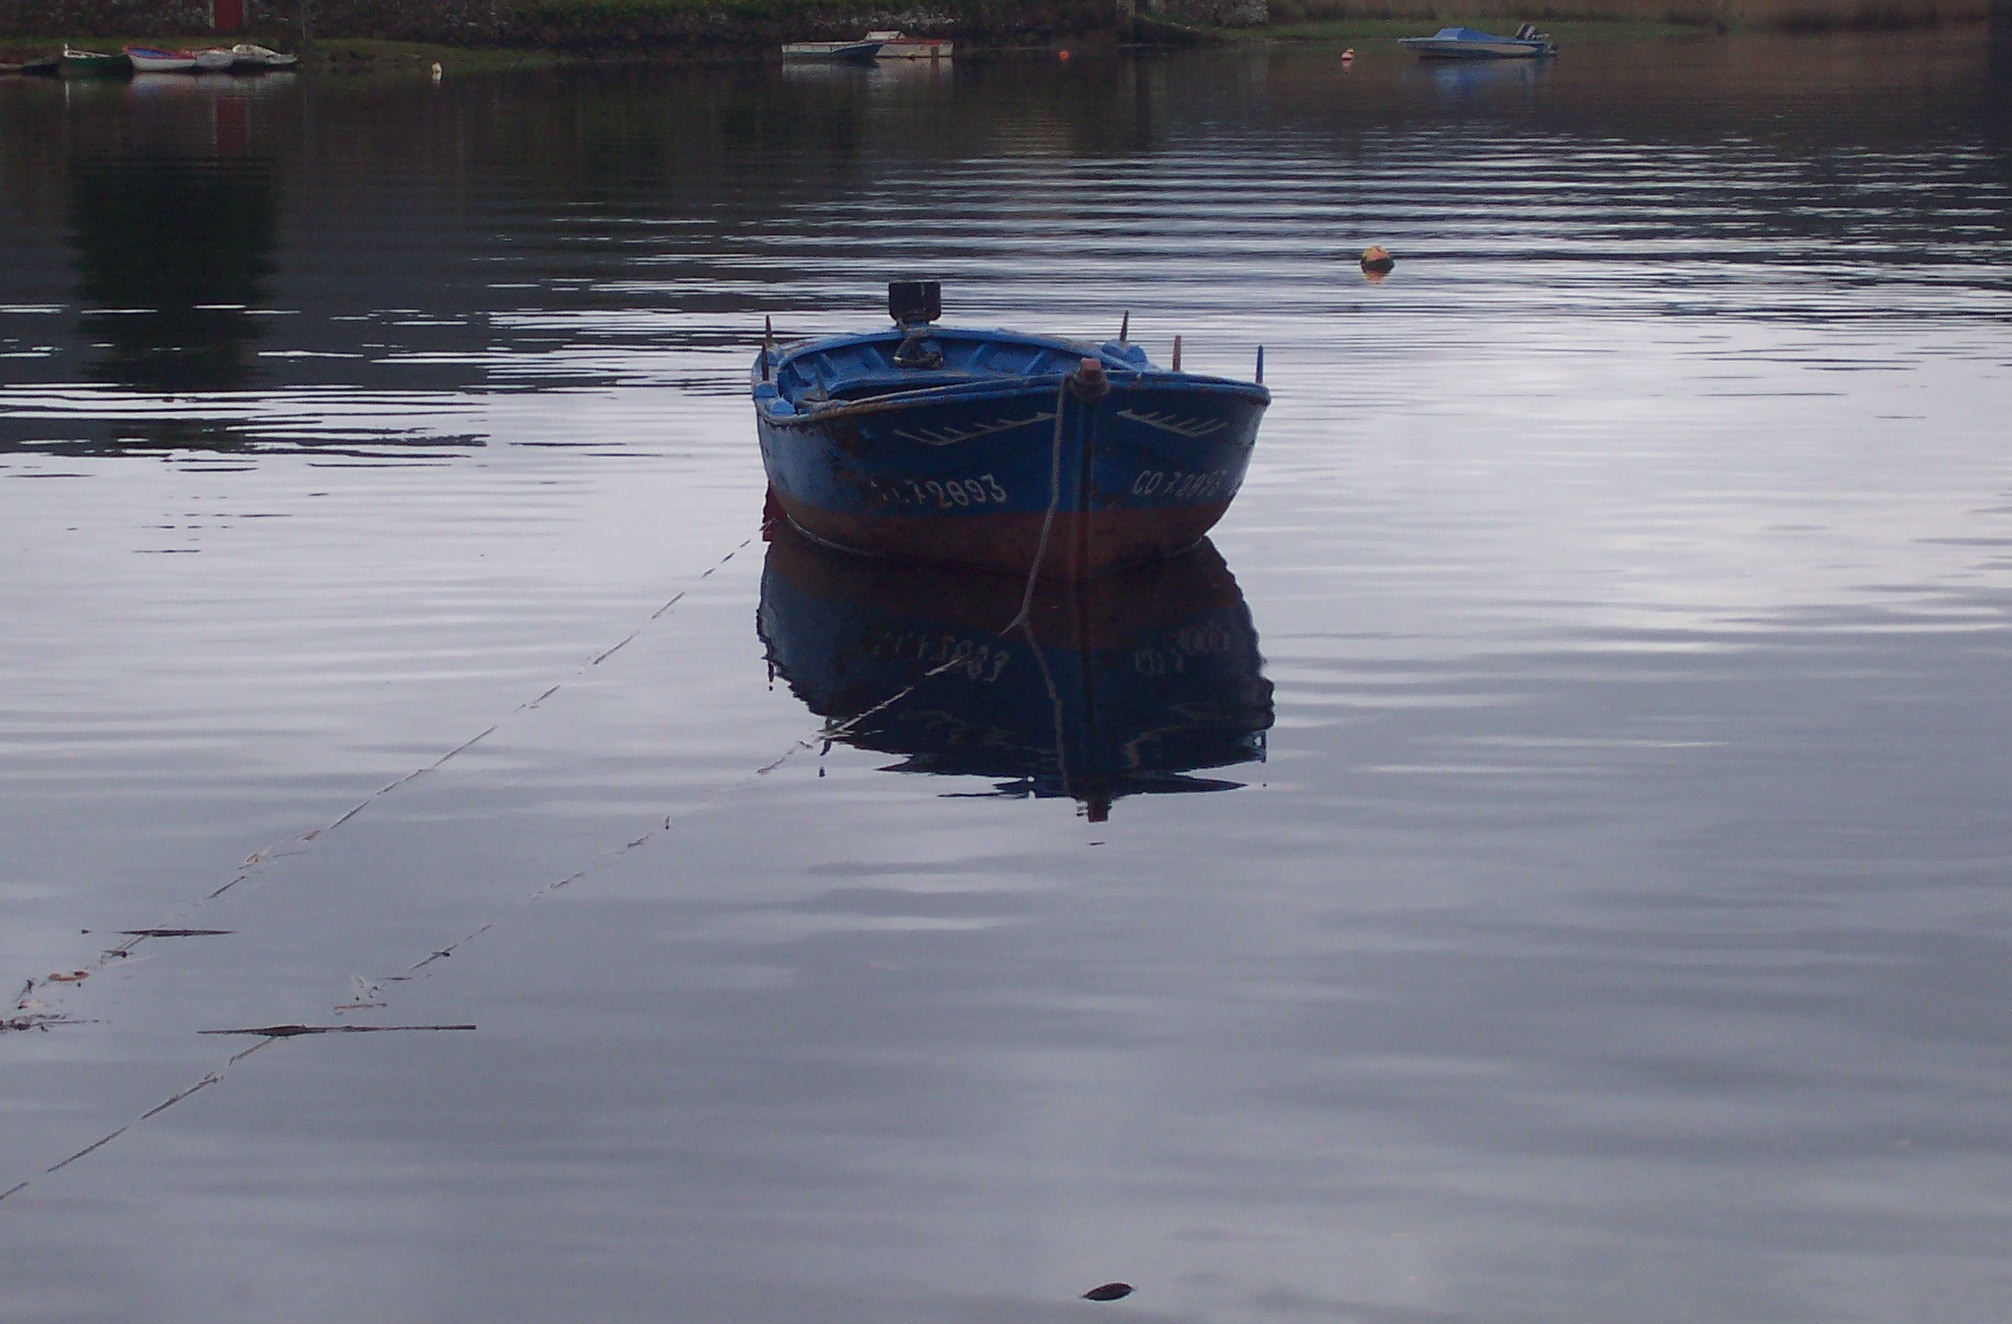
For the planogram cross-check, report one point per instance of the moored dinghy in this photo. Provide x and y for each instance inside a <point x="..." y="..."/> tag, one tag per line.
<point x="839" y="52"/>
<point x="1474" y="44"/>
<point x="153" y="60"/>
<point x="95" y="64"/>
<point x="253" y="59"/>
<point x="999" y="450"/>
<point x="895" y="46"/>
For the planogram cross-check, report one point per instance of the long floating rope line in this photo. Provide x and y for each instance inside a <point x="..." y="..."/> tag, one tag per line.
<point x="254" y="863"/>
<point x="421" y="969"/>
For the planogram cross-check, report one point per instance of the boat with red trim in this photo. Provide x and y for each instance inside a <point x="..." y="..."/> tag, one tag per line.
<point x="996" y="449"/>
<point x="154" y="60"/>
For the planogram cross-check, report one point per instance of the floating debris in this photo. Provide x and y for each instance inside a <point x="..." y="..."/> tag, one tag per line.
<point x="1109" y="1292"/>
<point x="35" y="1020"/>
<point x="175" y="933"/>
<point x="74" y="977"/>
<point x="365" y="999"/>
<point x="294" y="1031"/>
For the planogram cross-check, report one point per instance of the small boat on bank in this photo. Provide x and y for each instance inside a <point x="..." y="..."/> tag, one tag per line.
<point x="153" y="60"/>
<point x="248" y="58"/>
<point x="1033" y="455"/>
<point x="1474" y="44"/>
<point x="894" y="46"/>
<point x="215" y="60"/>
<point x="40" y="66"/>
<point x="95" y="64"/>
<point x="833" y="52"/>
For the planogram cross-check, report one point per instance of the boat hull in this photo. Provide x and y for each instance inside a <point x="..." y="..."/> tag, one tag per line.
<point x="146" y="61"/>
<point x="1474" y="44"/>
<point x="915" y="48"/>
<point x="247" y="58"/>
<point x="93" y="64"/>
<point x="1473" y="50"/>
<point x="1030" y="477"/>
<point x="833" y="52"/>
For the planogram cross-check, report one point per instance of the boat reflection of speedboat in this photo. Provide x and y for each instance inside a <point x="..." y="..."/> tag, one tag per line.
<point x="1116" y="686"/>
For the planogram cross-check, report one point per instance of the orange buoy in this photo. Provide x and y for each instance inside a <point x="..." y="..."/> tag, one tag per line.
<point x="1062" y="55"/>
<point x="1376" y="260"/>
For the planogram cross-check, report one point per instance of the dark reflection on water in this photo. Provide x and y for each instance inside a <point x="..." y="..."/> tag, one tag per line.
<point x="1462" y="80"/>
<point x="172" y="252"/>
<point x="1121" y="686"/>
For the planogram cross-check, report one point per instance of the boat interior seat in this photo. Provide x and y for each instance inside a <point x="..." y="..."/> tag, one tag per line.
<point x="866" y="388"/>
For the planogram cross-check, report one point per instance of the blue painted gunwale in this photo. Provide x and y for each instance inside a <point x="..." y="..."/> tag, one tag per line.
<point x="957" y="464"/>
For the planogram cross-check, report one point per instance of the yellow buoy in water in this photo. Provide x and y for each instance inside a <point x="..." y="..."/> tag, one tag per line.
<point x="1376" y="260"/>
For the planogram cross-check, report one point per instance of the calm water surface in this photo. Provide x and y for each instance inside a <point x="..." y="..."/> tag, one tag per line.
<point x="1557" y="846"/>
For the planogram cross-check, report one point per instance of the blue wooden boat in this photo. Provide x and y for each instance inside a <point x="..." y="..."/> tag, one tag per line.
<point x="1474" y="44"/>
<point x="997" y="450"/>
<point x="1127" y="684"/>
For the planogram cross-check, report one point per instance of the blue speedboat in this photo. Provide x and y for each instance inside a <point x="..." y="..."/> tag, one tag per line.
<point x="1128" y="684"/>
<point x="1474" y="44"/>
<point x="996" y="450"/>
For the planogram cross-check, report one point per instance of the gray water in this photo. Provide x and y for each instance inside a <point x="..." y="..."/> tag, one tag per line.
<point x="1606" y="917"/>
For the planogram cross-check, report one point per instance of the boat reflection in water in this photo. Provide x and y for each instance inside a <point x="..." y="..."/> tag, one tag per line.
<point x="1121" y="685"/>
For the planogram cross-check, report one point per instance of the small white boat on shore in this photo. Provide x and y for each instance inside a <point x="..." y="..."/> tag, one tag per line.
<point x="839" y="52"/>
<point x="251" y="59"/>
<point x="215" y="60"/>
<point x="153" y="60"/>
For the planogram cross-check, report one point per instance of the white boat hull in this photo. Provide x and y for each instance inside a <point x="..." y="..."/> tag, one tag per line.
<point x="1474" y="44"/>
<point x="162" y="64"/>
<point x="1474" y="50"/>
<point x="894" y="46"/>
<point x="850" y="52"/>
<point x="261" y="57"/>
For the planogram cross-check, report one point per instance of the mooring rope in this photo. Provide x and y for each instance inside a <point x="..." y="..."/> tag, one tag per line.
<point x="1047" y="520"/>
<point x="176" y="926"/>
<point x="367" y="991"/>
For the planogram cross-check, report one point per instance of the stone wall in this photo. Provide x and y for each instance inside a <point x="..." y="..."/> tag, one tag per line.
<point x="90" y="18"/>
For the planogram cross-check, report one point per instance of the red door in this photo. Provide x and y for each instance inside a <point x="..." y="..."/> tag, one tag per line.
<point x="227" y="15"/>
